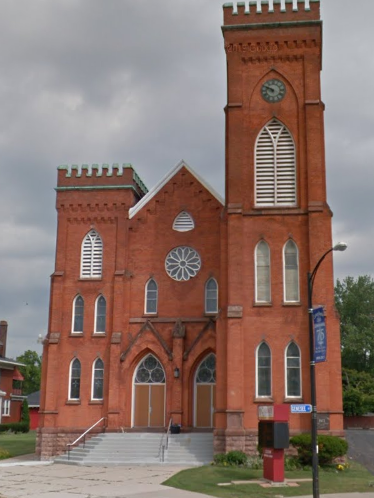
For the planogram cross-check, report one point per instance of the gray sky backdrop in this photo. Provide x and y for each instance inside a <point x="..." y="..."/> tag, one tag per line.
<point x="143" y="82"/>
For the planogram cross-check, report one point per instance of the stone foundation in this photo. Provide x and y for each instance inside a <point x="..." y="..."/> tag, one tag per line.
<point x="51" y="442"/>
<point x="235" y="440"/>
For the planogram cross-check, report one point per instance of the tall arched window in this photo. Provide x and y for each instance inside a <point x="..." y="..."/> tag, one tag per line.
<point x="151" y="297"/>
<point x="291" y="272"/>
<point x="205" y="392"/>
<point x="100" y="315"/>
<point x="78" y="315"/>
<point x="263" y="370"/>
<point x="75" y="379"/>
<point x="275" y="166"/>
<point x="293" y="371"/>
<point x="211" y="296"/>
<point x="92" y="255"/>
<point x="98" y="379"/>
<point x="262" y="264"/>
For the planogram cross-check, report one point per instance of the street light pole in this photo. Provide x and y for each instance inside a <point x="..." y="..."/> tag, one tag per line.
<point x="341" y="246"/>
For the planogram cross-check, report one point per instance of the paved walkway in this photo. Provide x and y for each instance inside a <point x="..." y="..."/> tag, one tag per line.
<point x="25" y="477"/>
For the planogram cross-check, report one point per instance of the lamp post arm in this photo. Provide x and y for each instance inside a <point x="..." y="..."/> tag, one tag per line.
<point x="312" y="276"/>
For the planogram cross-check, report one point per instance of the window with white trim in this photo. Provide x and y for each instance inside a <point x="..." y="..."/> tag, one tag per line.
<point x="100" y="315"/>
<point x="291" y="272"/>
<point x="263" y="364"/>
<point x="211" y="296"/>
<point x="6" y="408"/>
<point x="78" y="315"/>
<point x="151" y="297"/>
<point x="75" y="379"/>
<point x="275" y="166"/>
<point x="183" y="222"/>
<point x="92" y="255"/>
<point x="98" y="379"/>
<point x="293" y="371"/>
<point x="262" y="273"/>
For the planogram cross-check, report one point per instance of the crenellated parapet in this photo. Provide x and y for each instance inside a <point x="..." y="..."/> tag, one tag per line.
<point x="93" y="177"/>
<point x="271" y="11"/>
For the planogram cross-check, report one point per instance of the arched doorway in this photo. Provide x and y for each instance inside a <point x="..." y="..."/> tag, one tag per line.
<point x="205" y="392"/>
<point x="149" y="394"/>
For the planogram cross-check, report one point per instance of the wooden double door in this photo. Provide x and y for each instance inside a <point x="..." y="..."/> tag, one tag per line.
<point x="149" y="394"/>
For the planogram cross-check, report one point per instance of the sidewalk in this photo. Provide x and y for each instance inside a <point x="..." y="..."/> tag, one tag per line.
<point x="24" y="477"/>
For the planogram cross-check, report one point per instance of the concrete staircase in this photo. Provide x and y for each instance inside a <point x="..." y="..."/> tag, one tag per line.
<point x="142" y="448"/>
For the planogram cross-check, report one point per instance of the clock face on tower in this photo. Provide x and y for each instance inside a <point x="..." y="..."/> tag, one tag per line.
<point x="273" y="90"/>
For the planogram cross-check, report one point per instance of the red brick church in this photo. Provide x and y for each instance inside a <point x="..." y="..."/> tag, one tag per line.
<point x="176" y="303"/>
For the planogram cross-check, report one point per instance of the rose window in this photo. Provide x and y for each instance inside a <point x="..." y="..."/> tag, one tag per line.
<point x="150" y="371"/>
<point x="182" y="263"/>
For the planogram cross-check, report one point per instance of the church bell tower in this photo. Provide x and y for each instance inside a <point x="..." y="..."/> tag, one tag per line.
<point x="278" y="221"/>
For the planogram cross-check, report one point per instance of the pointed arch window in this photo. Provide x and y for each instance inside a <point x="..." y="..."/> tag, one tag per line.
<point x="183" y="222"/>
<point x="92" y="255"/>
<point x="275" y="166"/>
<point x="78" y="315"/>
<point x="100" y="315"/>
<point x="75" y="379"/>
<point x="291" y="272"/>
<point x="262" y="274"/>
<point x="98" y="379"/>
<point x="263" y="370"/>
<point x="151" y="297"/>
<point x="293" y="371"/>
<point x="211" y="296"/>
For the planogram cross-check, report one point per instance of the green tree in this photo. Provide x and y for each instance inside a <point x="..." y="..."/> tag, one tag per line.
<point x="31" y="371"/>
<point x="354" y="299"/>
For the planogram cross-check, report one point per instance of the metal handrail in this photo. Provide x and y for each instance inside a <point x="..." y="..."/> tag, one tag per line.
<point x="69" y="445"/>
<point x="167" y="433"/>
<point x="163" y="445"/>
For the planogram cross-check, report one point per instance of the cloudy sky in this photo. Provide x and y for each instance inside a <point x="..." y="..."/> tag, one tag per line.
<point x="143" y="82"/>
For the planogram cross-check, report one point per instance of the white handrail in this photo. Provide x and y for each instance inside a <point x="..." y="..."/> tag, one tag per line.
<point x="69" y="445"/>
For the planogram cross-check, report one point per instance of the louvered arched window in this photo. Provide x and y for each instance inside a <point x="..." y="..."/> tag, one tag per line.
<point x="92" y="255"/>
<point x="291" y="272"/>
<point x="100" y="315"/>
<point x="183" y="222"/>
<point x="211" y="296"/>
<point x="293" y="371"/>
<point x="263" y="370"/>
<point x="151" y="296"/>
<point x="262" y="266"/>
<point x="78" y="315"/>
<point x="275" y="159"/>
<point x="75" y="379"/>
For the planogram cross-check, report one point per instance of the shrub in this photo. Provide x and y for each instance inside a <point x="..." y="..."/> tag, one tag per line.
<point x="219" y="459"/>
<point x="25" y="415"/>
<point x="255" y="463"/>
<point x="330" y="447"/>
<point x="233" y="458"/>
<point x="15" y="427"/>
<point x="236" y="458"/>
<point x="4" y="454"/>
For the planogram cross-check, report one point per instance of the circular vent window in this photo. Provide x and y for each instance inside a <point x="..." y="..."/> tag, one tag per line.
<point x="182" y="263"/>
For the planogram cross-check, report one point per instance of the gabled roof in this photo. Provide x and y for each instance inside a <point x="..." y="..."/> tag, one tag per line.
<point x="153" y="191"/>
<point x="33" y="399"/>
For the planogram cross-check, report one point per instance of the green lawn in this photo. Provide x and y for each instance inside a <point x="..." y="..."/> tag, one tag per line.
<point x="18" y="444"/>
<point x="205" y="480"/>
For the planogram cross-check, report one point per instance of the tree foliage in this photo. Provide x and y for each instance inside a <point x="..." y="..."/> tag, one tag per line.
<point x="354" y="299"/>
<point x="358" y="392"/>
<point x="31" y="372"/>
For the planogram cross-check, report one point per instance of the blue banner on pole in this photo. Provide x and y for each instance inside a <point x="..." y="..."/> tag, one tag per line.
<point x="320" y="337"/>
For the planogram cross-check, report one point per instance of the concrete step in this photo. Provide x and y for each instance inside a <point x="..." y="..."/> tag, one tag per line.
<point x="142" y="448"/>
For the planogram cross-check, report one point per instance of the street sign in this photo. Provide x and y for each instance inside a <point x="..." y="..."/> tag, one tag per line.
<point x="320" y="337"/>
<point x="301" y="408"/>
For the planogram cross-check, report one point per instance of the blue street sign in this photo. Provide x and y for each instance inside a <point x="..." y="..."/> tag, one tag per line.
<point x="301" y="408"/>
<point x="320" y="337"/>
